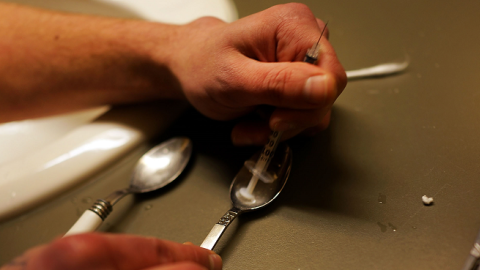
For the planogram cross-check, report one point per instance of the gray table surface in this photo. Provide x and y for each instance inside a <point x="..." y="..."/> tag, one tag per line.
<point x="353" y="200"/>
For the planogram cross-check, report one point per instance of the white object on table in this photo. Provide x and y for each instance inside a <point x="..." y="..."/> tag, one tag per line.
<point x="378" y="70"/>
<point x="427" y="200"/>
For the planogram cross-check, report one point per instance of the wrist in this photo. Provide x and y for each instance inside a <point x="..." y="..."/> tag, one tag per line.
<point x="147" y="49"/>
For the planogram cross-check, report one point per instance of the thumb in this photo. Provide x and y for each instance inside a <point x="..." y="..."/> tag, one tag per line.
<point x="293" y="85"/>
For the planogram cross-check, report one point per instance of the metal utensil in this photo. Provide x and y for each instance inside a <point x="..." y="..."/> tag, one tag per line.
<point x="263" y="194"/>
<point x="473" y="260"/>
<point x="157" y="168"/>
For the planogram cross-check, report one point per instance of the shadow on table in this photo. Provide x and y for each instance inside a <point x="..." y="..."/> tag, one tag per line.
<point x="321" y="177"/>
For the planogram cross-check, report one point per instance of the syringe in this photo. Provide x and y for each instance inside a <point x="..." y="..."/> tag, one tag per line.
<point x="259" y="169"/>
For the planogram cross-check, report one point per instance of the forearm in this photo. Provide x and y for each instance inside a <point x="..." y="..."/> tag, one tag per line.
<point x="52" y="62"/>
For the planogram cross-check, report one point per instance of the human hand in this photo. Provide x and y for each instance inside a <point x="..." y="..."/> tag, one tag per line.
<point x="228" y="70"/>
<point x="102" y="251"/>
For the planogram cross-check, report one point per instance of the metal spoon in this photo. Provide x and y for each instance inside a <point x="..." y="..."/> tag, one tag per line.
<point x="263" y="194"/>
<point x="157" y="168"/>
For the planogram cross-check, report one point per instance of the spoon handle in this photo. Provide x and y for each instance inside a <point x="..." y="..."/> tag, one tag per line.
<point x="218" y="229"/>
<point x="92" y="218"/>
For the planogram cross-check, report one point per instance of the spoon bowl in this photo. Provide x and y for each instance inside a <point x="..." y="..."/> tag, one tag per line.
<point x="263" y="194"/>
<point x="158" y="167"/>
<point x="161" y="165"/>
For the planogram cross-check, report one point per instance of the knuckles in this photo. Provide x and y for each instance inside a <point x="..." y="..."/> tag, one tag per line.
<point x="293" y="15"/>
<point x="291" y="9"/>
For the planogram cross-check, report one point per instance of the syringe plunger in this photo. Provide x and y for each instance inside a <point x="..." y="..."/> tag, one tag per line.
<point x="263" y="174"/>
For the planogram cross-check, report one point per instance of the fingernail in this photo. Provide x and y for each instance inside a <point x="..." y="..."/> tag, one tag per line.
<point x="283" y="126"/>
<point x="188" y="244"/>
<point x="316" y="89"/>
<point x="215" y="262"/>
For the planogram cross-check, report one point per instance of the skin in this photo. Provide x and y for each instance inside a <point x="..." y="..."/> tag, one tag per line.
<point x="224" y="70"/>
<point x="115" y="252"/>
<point x="52" y="63"/>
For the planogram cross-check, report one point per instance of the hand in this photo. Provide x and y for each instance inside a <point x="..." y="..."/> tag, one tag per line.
<point x="227" y="70"/>
<point x="125" y="252"/>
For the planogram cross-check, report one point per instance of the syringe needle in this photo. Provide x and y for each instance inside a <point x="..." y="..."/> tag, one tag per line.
<point x="323" y="30"/>
<point x="321" y="34"/>
<point x="312" y="53"/>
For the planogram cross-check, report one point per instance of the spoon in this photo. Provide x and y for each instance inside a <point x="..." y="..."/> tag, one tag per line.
<point x="157" y="168"/>
<point x="263" y="194"/>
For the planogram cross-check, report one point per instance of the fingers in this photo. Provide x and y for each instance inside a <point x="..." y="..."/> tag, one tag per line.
<point x="283" y="80"/>
<point x="267" y="68"/>
<point x="308" y="123"/>
<point x="257" y="60"/>
<point x="250" y="133"/>
<point x="320" y="127"/>
<point x="103" y="251"/>
<point x="285" y="119"/>
<point x="293" y="85"/>
<point x="304" y="93"/>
